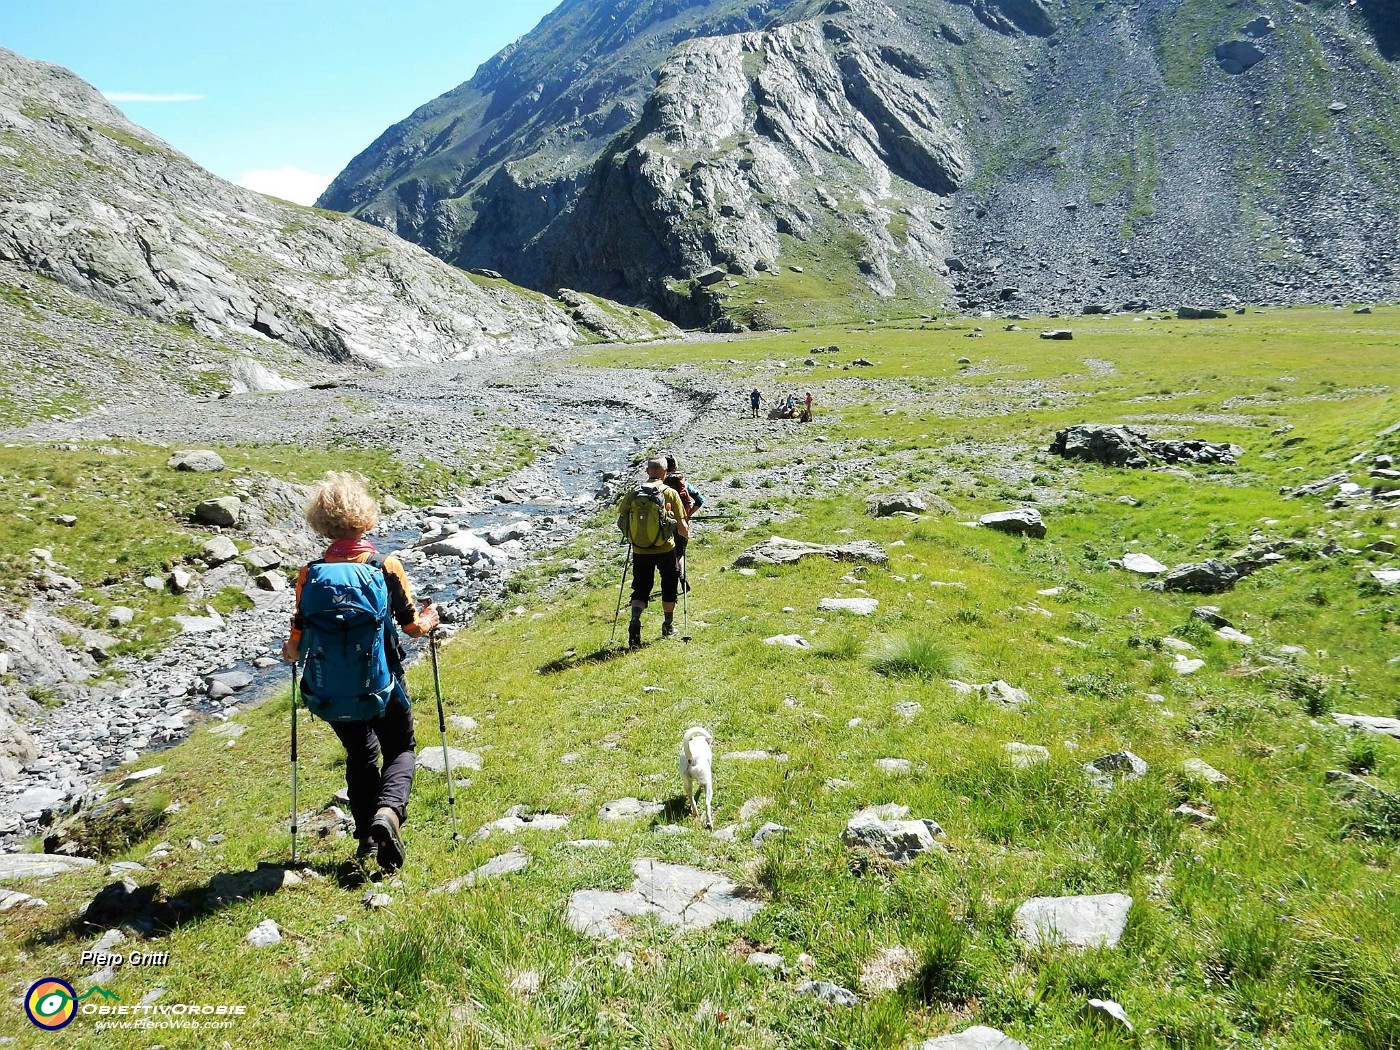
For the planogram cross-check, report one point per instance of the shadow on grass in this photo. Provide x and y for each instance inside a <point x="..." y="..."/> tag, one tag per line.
<point x="603" y="655"/>
<point x="150" y="913"/>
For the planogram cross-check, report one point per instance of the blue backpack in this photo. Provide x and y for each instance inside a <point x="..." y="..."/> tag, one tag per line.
<point x="347" y="638"/>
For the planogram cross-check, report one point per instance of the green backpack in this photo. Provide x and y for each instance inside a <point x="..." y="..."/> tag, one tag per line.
<point x="645" y="519"/>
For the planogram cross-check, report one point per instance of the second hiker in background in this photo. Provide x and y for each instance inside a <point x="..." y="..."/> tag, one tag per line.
<point x="651" y="516"/>
<point x="755" y="399"/>
<point x="692" y="501"/>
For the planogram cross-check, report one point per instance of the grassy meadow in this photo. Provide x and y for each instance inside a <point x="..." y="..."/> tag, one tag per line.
<point x="1276" y="925"/>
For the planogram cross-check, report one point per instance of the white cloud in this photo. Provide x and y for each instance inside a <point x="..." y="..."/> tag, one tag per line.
<point x="291" y="184"/>
<point x="141" y="96"/>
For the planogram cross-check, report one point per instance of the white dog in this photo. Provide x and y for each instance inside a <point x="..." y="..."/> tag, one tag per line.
<point x="695" y="765"/>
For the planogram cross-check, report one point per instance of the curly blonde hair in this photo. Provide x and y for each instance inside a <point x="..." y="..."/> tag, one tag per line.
<point x="340" y="507"/>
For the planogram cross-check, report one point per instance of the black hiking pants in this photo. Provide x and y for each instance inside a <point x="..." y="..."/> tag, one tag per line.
<point x="389" y="736"/>
<point x="645" y="568"/>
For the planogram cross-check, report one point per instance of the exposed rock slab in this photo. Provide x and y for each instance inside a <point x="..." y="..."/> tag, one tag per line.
<point x="39" y="865"/>
<point x="676" y="895"/>
<point x="780" y="551"/>
<point x="1370" y="724"/>
<point x="1095" y="921"/>
<point x="978" y="1037"/>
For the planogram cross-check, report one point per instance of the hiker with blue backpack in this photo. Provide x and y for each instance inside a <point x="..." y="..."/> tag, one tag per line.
<point x="651" y="517"/>
<point x="343" y="635"/>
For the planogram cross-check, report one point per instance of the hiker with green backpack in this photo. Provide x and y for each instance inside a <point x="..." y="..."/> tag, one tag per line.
<point x="651" y="516"/>
<point x="343" y="635"/>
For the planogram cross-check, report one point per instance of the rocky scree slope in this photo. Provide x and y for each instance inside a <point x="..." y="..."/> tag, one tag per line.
<point x="105" y="229"/>
<point x="1046" y="153"/>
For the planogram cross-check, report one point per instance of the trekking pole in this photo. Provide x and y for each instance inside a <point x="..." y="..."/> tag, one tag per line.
<point x="294" y="762"/>
<point x="622" y="584"/>
<point x="685" y="610"/>
<point x="442" y="728"/>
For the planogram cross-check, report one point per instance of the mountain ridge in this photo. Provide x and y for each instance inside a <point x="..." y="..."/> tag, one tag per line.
<point x="1085" y="134"/>
<point x="117" y="252"/>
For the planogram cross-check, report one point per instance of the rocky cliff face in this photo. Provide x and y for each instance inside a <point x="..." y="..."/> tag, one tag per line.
<point x="851" y="154"/>
<point x="123" y="261"/>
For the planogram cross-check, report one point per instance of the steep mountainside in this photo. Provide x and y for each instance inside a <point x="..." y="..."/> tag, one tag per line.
<point x="830" y="155"/>
<point x="123" y="263"/>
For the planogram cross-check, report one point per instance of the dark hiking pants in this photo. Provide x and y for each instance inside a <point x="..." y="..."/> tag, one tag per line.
<point x="645" y="568"/>
<point x="389" y="736"/>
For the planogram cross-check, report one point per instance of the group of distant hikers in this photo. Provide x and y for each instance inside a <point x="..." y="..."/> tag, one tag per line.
<point x="787" y="408"/>
<point x="344" y="642"/>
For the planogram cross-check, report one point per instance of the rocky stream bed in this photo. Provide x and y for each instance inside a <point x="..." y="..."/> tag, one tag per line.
<point x="461" y="552"/>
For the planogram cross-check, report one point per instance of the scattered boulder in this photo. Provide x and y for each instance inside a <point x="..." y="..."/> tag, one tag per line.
<point x="628" y="809"/>
<point x="519" y="818"/>
<point x="1368" y="723"/>
<point x="883" y="831"/>
<point x="1121" y="764"/>
<point x="512" y="860"/>
<point x="1057" y="333"/>
<point x="1107" y="1013"/>
<point x="791" y="641"/>
<point x="1200" y="313"/>
<point x="1024" y="756"/>
<point x="890" y="504"/>
<point x="200" y="461"/>
<point x="890" y="968"/>
<point x="999" y="692"/>
<point x="264" y="935"/>
<point x="826" y="992"/>
<point x="1095" y="921"/>
<point x="855" y="606"/>
<point x="224" y="511"/>
<point x="39" y="865"/>
<point x="1203" y="770"/>
<point x="1025" y="521"/>
<point x="217" y="550"/>
<point x="780" y="551"/>
<point x="1207" y="577"/>
<point x="1191" y="815"/>
<point x="1143" y="564"/>
<point x="431" y="759"/>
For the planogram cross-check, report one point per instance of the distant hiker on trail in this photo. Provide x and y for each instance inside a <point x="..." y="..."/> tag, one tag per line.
<point x="755" y="399"/>
<point x="347" y="603"/>
<point x="651" y="516"/>
<point x="692" y="501"/>
<point x="809" y="404"/>
<point x="791" y="406"/>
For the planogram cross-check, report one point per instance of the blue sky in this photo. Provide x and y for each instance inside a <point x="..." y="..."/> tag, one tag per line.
<point x="274" y="94"/>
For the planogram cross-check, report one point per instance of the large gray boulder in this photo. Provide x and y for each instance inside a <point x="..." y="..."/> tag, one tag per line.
<point x="223" y="511"/>
<point x="198" y="460"/>
<point x="1024" y="521"/>
<point x="1207" y="577"/>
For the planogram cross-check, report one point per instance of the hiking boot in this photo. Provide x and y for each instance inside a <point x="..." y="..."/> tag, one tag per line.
<point x="634" y="634"/>
<point x="668" y="628"/>
<point x="385" y="833"/>
<point x="364" y="850"/>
